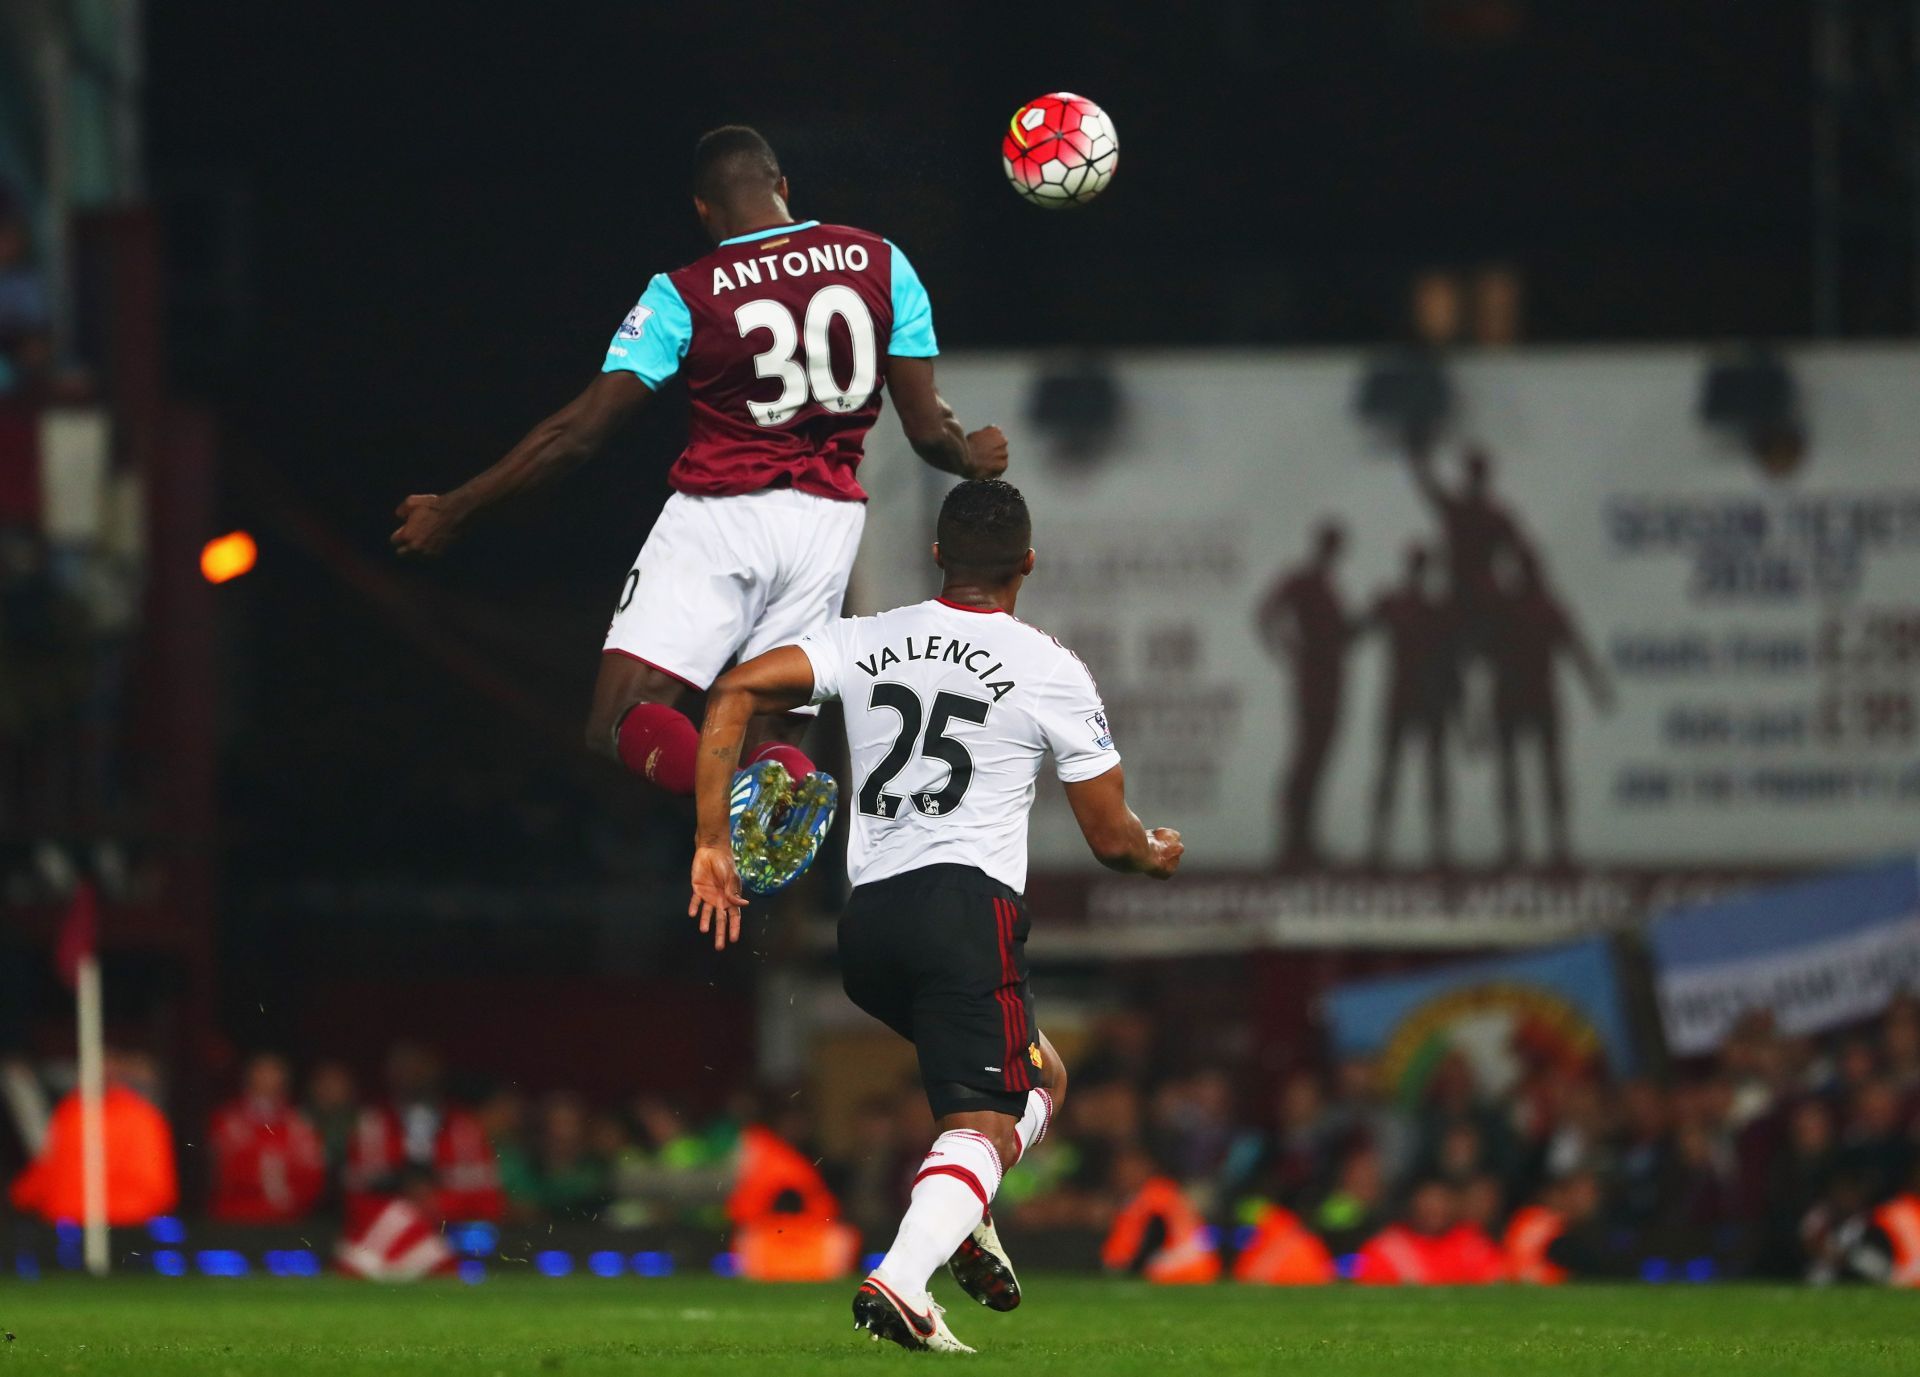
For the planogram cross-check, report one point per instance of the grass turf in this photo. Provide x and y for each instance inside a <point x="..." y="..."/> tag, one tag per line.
<point x="513" y="1325"/>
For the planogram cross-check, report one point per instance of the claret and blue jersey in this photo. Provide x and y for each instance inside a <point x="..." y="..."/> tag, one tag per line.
<point x="781" y="337"/>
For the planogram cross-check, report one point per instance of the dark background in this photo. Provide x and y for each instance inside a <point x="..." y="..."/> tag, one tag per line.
<point x="401" y="233"/>
<point x="398" y="234"/>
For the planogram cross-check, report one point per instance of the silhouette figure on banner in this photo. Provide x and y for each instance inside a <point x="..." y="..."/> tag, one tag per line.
<point x="1473" y="636"/>
<point x="1475" y="529"/>
<point x="1305" y="626"/>
<point x="1421" y="699"/>
<point x="1528" y="633"/>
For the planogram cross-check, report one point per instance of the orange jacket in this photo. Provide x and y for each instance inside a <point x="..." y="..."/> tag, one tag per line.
<point x="1399" y="1256"/>
<point x="771" y="1167"/>
<point x="796" y="1248"/>
<point x="786" y="1220"/>
<point x="1900" y="1219"/>
<point x="1283" y="1252"/>
<point x="1529" y="1234"/>
<point x="1188" y="1253"/>
<point x="140" y="1176"/>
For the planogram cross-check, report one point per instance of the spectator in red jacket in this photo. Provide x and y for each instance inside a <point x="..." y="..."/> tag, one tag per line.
<point x="418" y="1128"/>
<point x="269" y="1165"/>
<point x="1432" y="1248"/>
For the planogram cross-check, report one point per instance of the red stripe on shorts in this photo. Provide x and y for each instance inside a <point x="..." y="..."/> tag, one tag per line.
<point x="1008" y="999"/>
<point x="1017" y="1077"/>
<point x="1025" y="1034"/>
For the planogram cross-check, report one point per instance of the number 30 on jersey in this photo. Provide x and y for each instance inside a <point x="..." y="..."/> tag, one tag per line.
<point x="815" y="377"/>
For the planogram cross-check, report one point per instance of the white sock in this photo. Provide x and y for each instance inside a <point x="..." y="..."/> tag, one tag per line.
<point x="1032" y="1128"/>
<point x="951" y="1193"/>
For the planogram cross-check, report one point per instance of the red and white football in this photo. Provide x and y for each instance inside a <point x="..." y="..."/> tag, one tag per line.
<point x="1060" y="150"/>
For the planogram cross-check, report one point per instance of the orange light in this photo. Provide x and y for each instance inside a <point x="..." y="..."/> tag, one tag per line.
<point x="228" y="556"/>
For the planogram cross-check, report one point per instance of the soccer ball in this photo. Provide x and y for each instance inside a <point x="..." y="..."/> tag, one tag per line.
<point x="1060" y="150"/>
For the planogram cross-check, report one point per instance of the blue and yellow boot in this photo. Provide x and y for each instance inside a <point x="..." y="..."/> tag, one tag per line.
<point x="778" y="825"/>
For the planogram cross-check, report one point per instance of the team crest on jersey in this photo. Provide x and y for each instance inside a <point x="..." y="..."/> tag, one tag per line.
<point x="1102" y="736"/>
<point x="1033" y="1054"/>
<point x="636" y="319"/>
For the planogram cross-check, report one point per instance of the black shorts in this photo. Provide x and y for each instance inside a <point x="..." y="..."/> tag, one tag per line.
<point x="939" y="955"/>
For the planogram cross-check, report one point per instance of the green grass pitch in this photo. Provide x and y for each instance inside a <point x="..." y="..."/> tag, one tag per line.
<point x="512" y="1325"/>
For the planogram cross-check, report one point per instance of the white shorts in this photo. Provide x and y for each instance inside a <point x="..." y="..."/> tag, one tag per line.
<point x="722" y="578"/>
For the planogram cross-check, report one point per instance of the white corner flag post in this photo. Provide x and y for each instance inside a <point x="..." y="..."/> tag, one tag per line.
<point x="93" y="1119"/>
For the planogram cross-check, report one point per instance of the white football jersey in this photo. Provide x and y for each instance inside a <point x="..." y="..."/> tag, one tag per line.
<point x="949" y="711"/>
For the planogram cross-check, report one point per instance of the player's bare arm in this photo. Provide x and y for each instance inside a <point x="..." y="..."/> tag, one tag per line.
<point x="430" y="522"/>
<point x="778" y="681"/>
<point x="1117" y="837"/>
<point x="932" y="428"/>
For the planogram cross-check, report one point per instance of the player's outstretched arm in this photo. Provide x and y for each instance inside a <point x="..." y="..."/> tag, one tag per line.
<point x="932" y="428"/>
<point x="1120" y="841"/>
<point x="430" y="522"/>
<point x="778" y="681"/>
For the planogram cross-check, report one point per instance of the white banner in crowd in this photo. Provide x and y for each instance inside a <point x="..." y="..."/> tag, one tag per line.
<point x="1818" y="955"/>
<point x="1321" y="655"/>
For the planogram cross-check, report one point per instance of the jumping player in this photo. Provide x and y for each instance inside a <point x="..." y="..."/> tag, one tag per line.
<point x="950" y="706"/>
<point x="786" y="334"/>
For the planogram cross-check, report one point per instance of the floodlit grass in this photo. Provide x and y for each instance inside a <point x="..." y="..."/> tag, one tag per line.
<point x="524" y="1324"/>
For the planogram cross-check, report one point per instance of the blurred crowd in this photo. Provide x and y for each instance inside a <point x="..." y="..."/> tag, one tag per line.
<point x="1779" y="1156"/>
<point x="1763" y="1160"/>
<point x="1770" y="1158"/>
<point x="330" y="1150"/>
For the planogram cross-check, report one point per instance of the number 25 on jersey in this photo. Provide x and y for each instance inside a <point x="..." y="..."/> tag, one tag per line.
<point x="937" y="745"/>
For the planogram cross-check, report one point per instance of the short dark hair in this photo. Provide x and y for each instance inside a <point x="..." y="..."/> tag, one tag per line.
<point x="731" y="162"/>
<point x="984" y="529"/>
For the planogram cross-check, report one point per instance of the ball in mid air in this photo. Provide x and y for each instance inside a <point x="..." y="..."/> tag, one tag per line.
<point x="1060" y="150"/>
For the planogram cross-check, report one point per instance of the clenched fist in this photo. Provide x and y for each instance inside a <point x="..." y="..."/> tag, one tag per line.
<point x="426" y="527"/>
<point x="986" y="453"/>
<point x="1164" y="850"/>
